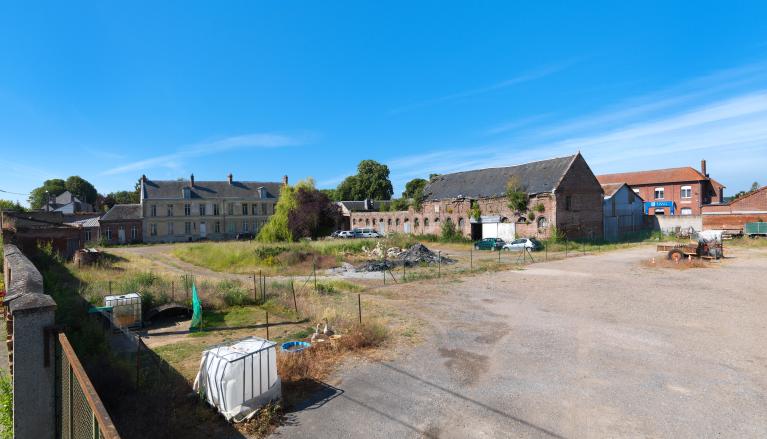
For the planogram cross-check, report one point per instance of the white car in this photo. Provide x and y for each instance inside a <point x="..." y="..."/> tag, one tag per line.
<point x="346" y="234"/>
<point x="531" y="244"/>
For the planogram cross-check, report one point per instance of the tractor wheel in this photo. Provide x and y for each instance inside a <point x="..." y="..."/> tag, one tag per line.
<point x="675" y="255"/>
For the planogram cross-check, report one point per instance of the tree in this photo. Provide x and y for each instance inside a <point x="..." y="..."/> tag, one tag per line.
<point x="413" y="186"/>
<point x="50" y="188"/>
<point x="331" y="193"/>
<point x="11" y="205"/>
<point x="516" y="194"/>
<point x="315" y="214"/>
<point x="121" y="197"/>
<point x="371" y="181"/>
<point x="433" y="177"/>
<point x="301" y="212"/>
<point x="82" y="189"/>
<point x="754" y="186"/>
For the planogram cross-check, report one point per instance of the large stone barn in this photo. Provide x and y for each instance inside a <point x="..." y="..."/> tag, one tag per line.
<point x="560" y="193"/>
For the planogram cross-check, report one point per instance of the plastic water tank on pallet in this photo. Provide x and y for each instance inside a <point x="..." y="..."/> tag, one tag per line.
<point x="126" y="310"/>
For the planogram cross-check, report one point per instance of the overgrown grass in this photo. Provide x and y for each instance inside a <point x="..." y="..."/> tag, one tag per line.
<point x="6" y="406"/>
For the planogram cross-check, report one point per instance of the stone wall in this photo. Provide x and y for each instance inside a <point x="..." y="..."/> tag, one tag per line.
<point x="31" y="314"/>
<point x="579" y="203"/>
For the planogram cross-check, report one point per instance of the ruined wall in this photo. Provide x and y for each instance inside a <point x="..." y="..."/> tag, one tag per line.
<point x="579" y="207"/>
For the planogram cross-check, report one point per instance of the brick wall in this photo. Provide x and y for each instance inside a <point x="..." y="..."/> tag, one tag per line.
<point x="732" y="216"/>
<point x="582" y="217"/>
<point x="114" y="227"/>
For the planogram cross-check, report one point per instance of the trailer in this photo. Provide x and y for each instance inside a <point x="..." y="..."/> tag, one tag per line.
<point x="707" y="246"/>
<point x="753" y="230"/>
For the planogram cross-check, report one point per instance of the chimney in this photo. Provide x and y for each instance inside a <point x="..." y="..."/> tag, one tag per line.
<point x="143" y="178"/>
<point x="191" y="180"/>
<point x="284" y="180"/>
<point x="703" y="168"/>
<point x="229" y="178"/>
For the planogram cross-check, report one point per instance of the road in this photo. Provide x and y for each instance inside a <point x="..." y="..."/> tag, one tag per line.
<point x="589" y="347"/>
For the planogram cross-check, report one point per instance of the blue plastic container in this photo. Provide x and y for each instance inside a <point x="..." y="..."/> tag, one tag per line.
<point x="295" y="346"/>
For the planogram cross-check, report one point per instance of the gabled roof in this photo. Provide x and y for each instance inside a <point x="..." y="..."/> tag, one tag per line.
<point x="748" y="195"/>
<point x="656" y="176"/>
<point x="536" y="177"/>
<point x="172" y="189"/>
<point x="611" y="188"/>
<point x="360" y="206"/>
<point x="84" y="223"/>
<point x="123" y="212"/>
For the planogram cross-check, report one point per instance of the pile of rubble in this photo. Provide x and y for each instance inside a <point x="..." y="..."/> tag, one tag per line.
<point x="418" y="254"/>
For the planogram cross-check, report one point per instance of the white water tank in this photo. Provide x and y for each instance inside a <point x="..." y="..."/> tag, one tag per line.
<point x="126" y="309"/>
<point x="239" y="378"/>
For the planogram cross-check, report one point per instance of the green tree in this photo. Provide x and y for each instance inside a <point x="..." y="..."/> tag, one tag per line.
<point x="516" y="194"/>
<point x="50" y="188"/>
<point x="11" y="205"/>
<point x="82" y="189"/>
<point x="754" y="186"/>
<point x="121" y="197"/>
<point x="413" y="186"/>
<point x="332" y="194"/>
<point x="371" y="181"/>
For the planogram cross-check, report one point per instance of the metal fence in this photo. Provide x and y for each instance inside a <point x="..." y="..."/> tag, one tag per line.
<point x="80" y="414"/>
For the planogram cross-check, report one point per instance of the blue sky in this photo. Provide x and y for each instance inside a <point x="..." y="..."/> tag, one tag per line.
<point x="111" y="90"/>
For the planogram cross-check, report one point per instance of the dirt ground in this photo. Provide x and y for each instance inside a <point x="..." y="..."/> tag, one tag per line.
<point x="602" y="345"/>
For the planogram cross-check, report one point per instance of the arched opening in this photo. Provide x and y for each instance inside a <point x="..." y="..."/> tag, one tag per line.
<point x="542" y="222"/>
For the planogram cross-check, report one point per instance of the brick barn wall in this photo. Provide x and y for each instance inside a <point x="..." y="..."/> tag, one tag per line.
<point x="115" y="226"/>
<point x="584" y="219"/>
<point x="733" y="216"/>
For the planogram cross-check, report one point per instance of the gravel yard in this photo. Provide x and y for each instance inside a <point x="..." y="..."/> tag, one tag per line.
<point x="601" y="345"/>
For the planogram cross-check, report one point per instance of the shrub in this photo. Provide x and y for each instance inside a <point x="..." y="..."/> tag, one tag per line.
<point x="233" y="294"/>
<point x="539" y="207"/>
<point x="449" y="232"/>
<point x="475" y="212"/>
<point x="6" y="407"/>
<point x="516" y="195"/>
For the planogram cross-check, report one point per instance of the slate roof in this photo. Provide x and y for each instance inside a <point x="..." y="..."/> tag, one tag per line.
<point x="171" y="189"/>
<point x="123" y="212"/>
<point x="85" y="222"/>
<point x="537" y="177"/>
<point x="359" y="206"/>
<point x="657" y="176"/>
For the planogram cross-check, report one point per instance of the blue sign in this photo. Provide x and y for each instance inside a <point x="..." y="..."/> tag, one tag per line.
<point x="649" y="204"/>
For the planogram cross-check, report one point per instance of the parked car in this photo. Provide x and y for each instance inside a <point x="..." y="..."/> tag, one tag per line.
<point x="489" y="244"/>
<point x="366" y="233"/>
<point x="519" y="244"/>
<point x="335" y="234"/>
<point x="245" y="236"/>
<point x="346" y="234"/>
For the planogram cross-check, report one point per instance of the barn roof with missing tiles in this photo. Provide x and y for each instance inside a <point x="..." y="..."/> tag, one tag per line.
<point x="536" y="177"/>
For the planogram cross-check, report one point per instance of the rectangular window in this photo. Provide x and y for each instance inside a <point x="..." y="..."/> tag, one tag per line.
<point x="170" y="210"/>
<point x="230" y="208"/>
<point x="686" y="211"/>
<point x="230" y="227"/>
<point x="87" y="235"/>
<point x="244" y="208"/>
<point x="133" y="232"/>
<point x="216" y="211"/>
<point x="244" y="225"/>
<point x="187" y="209"/>
<point x="217" y="226"/>
<point x="686" y="191"/>
<point x="170" y="229"/>
<point x="659" y="193"/>
<point x="203" y="209"/>
<point x="188" y="228"/>
<point x="109" y="234"/>
<point x="254" y="209"/>
<point x="263" y="208"/>
<point x="153" y="210"/>
<point x="568" y="202"/>
<point x="153" y="229"/>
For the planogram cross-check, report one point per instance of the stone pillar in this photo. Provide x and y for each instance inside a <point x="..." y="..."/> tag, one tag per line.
<point x="32" y="349"/>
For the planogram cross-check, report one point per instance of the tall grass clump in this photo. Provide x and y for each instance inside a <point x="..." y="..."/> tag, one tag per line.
<point x="6" y="407"/>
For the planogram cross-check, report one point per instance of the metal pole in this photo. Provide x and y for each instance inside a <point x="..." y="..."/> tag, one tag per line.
<point x="172" y="291"/>
<point x="547" y="251"/>
<point x="138" y="361"/>
<point x="499" y="255"/>
<point x="293" y="290"/>
<point x="314" y="272"/>
<point x="359" y="306"/>
<point x="267" y="325"/>
<point x="565" y="247"/>
<point x="471" y="259"/>
<point x="439" y="263"/>
<point x="110" y="287"/>
<point x="255" y="297"/>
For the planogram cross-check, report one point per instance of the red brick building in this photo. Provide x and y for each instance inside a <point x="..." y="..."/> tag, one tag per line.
<point x="122" y="224"/>
<point x="673" y="191"/>
<point x="562" y="193"/>
<point x="734" y="214"/>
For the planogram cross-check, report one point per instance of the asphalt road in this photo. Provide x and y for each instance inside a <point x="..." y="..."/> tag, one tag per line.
<point x="590" y="347"/>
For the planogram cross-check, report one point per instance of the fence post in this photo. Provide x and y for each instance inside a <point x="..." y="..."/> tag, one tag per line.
<point x="439" y="263"/>
<point x="255" y="289"/>
<point x="471" y="259"/>
<point x="267" y="325"/>
<point x="263" y="291"/>
<point x="499" y="255"/>
<point x="359" y="306"/>
<point x="565" y="247"/>
<point x="314" y="272"/>
<point x="138" y="361"/>
<point x="293" y="290"/>
<point x="547" y="251"/>
<point x="110" y="287"/>
<point x="172" y="291"/>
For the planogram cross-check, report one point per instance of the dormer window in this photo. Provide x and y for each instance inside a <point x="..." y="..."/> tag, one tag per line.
<point x="186" y="193"/>
<point x="262" y="192"/>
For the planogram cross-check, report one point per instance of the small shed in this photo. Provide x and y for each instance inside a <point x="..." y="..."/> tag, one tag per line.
<point x="239" y="378"/>
<point x="126" y="309"/>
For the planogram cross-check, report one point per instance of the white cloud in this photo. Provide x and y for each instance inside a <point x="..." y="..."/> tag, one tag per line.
<point x="173" y="160"/>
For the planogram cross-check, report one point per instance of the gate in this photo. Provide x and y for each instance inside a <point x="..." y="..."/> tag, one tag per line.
<point x="80" y="414"/>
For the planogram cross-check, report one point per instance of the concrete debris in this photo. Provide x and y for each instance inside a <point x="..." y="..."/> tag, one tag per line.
<point x="418" y="254"/>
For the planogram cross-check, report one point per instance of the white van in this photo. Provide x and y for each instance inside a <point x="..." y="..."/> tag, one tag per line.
<point x="366" y="233"/>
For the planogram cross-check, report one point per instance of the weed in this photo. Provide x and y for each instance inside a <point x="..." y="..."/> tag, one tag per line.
<point x="6" y="407"/>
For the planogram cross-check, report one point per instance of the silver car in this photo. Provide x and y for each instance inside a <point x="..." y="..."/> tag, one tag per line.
<point x="531" y="244"/>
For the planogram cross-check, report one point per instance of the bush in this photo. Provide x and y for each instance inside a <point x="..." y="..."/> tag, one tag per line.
<point x="449" y="232"/>
<point x="516" y="195"/>
<point x="232" y="293"/>
<point x="6" y="407"/>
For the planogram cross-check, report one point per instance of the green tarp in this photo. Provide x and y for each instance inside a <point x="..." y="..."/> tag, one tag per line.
<point x="196" y="311"/>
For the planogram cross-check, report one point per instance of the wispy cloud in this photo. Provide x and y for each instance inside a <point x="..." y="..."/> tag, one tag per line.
<point x="257" y="140"/>
<point x="525" y="77"/>
<point x="728" y="117"/>
<point x="516" y="124"/>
